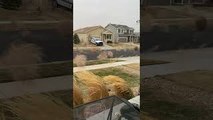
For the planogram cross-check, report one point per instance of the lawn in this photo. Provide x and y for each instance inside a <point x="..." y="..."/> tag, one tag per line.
<point x="178" y="96"/>
<point x="132" y="80"/>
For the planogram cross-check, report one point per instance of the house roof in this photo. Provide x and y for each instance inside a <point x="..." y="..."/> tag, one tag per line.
<point x="121" y="26"/>
<point x="88" y="29"/>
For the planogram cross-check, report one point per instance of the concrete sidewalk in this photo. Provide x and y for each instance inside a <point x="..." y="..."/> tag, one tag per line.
<point x="127" y="60"/>
<point x="19" y="88"/>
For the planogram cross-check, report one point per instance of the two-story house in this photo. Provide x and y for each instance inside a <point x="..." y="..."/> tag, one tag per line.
<point x="122" y="33"/>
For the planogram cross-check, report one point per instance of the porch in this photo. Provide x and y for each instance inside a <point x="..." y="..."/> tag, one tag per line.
<point x="107" y="36"/>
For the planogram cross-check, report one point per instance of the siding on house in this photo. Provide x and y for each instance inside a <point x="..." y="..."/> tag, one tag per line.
<point x="83" y="38"/>
<point x="114" y="31"/>
<point x="122" y="33"/>
<point x="86" y="33"/>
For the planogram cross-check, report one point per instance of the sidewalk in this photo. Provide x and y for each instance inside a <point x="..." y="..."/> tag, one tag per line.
<point x="127" y="60"/>
<point x="19" y="88"/>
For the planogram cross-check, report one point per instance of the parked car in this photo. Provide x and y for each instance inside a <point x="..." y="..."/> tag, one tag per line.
<point x="97" y="41"/>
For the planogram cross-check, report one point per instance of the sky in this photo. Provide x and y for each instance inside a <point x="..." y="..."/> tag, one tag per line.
<point x="102" y="12"/>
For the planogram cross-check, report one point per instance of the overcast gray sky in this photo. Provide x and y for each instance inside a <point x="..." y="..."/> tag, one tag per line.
<point x="101" y="12"/>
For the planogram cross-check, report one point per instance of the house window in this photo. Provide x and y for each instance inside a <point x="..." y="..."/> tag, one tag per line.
<point x="119" y="31"/>
<point x="108" y="36"/>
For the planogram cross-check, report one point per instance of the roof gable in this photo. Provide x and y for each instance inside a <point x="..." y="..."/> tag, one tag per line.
<point x="86" y="29"/>
<point x="120" y="26"/>
<point x="89" y="29"/>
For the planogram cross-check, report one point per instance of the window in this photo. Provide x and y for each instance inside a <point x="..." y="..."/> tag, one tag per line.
<point x="119" y="31"/>
<point x="108" y="36"/>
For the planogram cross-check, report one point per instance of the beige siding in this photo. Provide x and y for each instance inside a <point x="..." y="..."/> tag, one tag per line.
<point x="96" y="33"/>
<point x="83" y="38"/>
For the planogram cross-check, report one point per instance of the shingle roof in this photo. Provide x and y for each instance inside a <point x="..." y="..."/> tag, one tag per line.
<point x="86" y="29"/>
<point x="121" y="26"/>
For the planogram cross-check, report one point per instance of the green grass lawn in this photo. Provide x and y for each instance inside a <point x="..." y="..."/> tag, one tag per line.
<point x="133" y="80"/>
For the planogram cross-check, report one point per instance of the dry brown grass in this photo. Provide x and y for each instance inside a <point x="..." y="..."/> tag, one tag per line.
<point x="77" y="96"/>
<point x="39" y="107"/>
<point x="80" y="60"/>
<point x="91" y="87"/>
<point x="118" y="86"/>
<point x="94" y="86"/>
<point x="22" y="54"/>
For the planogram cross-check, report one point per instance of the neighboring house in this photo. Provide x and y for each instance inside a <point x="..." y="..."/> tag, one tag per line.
<point x="175" y="2"/>
<point x="122" y="33"/>
<point x="85" y="34"/>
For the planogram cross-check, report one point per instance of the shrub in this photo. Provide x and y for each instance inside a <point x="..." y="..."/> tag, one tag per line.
<point x="201" y="23"/>
<point x="76" y="39"/>
<point x="118" y="86"/>
<point x="80" y="60"/>
<point x="110" y="54"/>
<point x="136" y="48"/>
<point x="109" y="42"/>
<point x="103" y="55"/>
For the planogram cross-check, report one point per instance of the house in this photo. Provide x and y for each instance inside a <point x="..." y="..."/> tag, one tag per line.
<point x="175" y="2"/>
<point x="85" y="34"/>
<point x="122" y="33"/>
